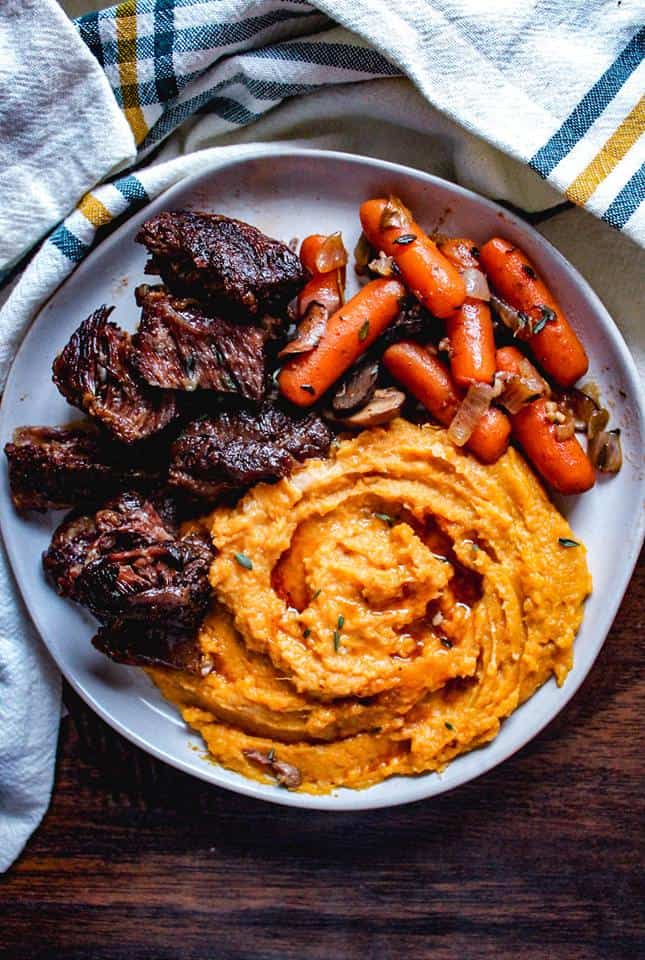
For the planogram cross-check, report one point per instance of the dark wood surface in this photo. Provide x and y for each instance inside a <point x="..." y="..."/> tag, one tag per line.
<point x="541" y="858"/>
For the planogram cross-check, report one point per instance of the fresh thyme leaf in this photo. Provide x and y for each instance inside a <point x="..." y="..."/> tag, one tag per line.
<point x="529" y="271"/>
<point x="306" y="632"/>
<point x="315" y="595"/>
<point x="405" y="239"/>
<point x="386" y="518"/>
<point x="341" y="622"/>
<point x="446" y="643"/>
<point x="566" y="542"/>
<point x="547" y="316"/>
<point x="275" y="375"/>
<point x="336" y="640"/>
<point x="363" y="332"/>
<point x="307" y="388"/>
<point x="244" y="561"/>
<point x="448" y="726"/>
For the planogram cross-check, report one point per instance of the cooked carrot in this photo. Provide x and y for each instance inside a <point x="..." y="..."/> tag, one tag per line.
<point x="555" y="344"/>
<point x="325" y="288"/>
<point x="429" y="380"/>
<point x="511" y="360"/>
<point x="349" y="333"/>
<point x="469" y="329"/>
<point x="562" y="463"/>
<point x="426" y="272"/>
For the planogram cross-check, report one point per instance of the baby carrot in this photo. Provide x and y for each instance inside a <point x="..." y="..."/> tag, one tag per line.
<point x="429" y="380"/>
<point x="426" y="272"/>
<point x="562" y="463"/>
<point x="469" y="329"/>
<point x="324" y="288"/>
<point x="349" y="333"/>
<point x="554" y="342"/>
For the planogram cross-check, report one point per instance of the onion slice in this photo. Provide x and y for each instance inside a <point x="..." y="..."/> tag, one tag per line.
<point x="605" y="451"/>
<point x="510" y="317"/>
<point x="332" y="254"/>
<point x="395" y="214"/>
<point x="382" y="266"/>
<point x="310" y="331"/>
<point x="471" y="410"/>
<point x="476" y="284"/>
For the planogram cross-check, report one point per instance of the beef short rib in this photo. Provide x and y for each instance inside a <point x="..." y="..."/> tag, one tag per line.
<point x="151" y="645"/>
<point x="95" y="373"/>
<point x="226" y="261"/>
<point x="237" y="448"/>
<point x="178" y="346"/>
<point x="54" y="467"/>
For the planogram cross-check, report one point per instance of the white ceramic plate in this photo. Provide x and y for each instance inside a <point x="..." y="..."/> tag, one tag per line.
<point x="287" y="193"/>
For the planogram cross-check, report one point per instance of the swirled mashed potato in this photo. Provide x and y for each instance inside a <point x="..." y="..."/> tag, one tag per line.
<point x="382" y="611"/>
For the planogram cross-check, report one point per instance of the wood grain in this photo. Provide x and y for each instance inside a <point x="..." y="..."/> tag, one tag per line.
<point x="540" y="858"/>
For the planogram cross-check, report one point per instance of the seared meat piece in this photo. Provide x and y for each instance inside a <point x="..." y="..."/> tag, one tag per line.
<point x="54" y="467"/>
<point x="178" y="346"/>
<point x="165" y="583"/>
<point x="226" y="261"/>
<point x="412" y="320"/>
<point x="238" y="448"/>
<point x="125" y="522"/>
<point x="152" y="645"/>
<point x="95" y="372"/>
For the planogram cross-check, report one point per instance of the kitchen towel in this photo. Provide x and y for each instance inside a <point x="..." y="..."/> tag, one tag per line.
<point x="198" y="80"/>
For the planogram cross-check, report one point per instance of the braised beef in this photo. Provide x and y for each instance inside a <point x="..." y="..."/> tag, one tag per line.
<point x="178" y="346"/>
<point x="54" y="467"/>
<point x="127" y="521"/>
<point x="164" y="583"/>
<point x="235" y="449"/>
<point x="217" y="258"/>
<point x="152" y="645"/>
<point x="412" y="320"/>
<point x="95" y="372"/>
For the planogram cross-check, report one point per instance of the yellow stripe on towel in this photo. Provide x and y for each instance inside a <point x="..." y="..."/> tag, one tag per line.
<point x="126" y="38"/>
<point x="94" y="211"/>
<point x="611" y="153"/>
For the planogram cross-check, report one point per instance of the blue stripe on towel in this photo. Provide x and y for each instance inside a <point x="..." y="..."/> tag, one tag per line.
<point x="73" y="248"/>
<point x="627" y="202"/>
<point x="590" y="107"/>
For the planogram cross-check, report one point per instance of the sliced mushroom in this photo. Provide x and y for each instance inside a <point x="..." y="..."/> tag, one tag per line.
<point x="286" y="774"/>
<point x="309" y="332"/>
<point x="363" y="253"/>
<point x="605" y="451"/>
<point x="384" y="406"/>
<point x="356" y="389"/>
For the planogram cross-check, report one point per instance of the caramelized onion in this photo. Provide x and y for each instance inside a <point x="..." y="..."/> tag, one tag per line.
<point x="382" y="266"/>
<point x="310" y="330"/>
<point x="564" y="431"/>
<point x="510" y="317"/>
<point x="363" y="253"/>
<point x="395" y="214"/>
<point x="472" y="408"/>
<point x="597" y="422"/>
<point x="332" y="254"/>
<point x="605" y="451"/>
<point x="476" y="284"/>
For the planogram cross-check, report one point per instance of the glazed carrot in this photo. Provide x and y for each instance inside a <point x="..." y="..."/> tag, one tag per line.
<point x="469" y="329"/>
<point x="325" y="288"/>
<point x="426" y="272"/>
<point x="562" y="463"/>
<point x="429" y="380"/>
<point x="555" y="345"/>
<point x="349" y="333"/>
<point x="511" y="360"/>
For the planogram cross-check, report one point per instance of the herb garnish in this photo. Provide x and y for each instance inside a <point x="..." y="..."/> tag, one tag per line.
<point x="548" y="316"/>
<point x="244" y="561"/>
<point x="566" y="542"/>
<point x="275" y="375"/>
<point x="448" y="726"/>
<point x="522" y="321"/>
<point x="446" y="643"/>
<point x="315" y="596"/>
<point x="307" y="387"/>
<point x="386" y="518"/>
<point x="406" y="238"/>
<point x="529" y="271"/>
<point x="363" y="332"/>
<point x="341" y="622"/>
<point x="306" y="632"/>
<point x="475" y="252"/>
<point x="336" y="640"/>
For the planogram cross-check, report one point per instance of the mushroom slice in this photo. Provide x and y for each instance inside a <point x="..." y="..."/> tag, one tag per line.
<point x="356" y="389"/>
<point x="384" y="406"/>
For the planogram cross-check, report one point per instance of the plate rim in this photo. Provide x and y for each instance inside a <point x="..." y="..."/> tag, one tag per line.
<point x="350" y="800"/>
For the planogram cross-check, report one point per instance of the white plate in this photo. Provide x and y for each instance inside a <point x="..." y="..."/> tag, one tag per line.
<point x="287" y="193"/>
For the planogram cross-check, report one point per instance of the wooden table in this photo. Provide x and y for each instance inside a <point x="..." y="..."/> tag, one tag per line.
<point x="539" y="859"/>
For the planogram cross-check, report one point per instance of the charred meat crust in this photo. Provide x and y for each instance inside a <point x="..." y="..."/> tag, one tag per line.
<point x="178" y="346"/>
<point x="54" y="467"/>
<point x="95" y="372"/>
<point x="223" y="260"/>
<point x="151" y="645"/>
<point x="237" y="448"/>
